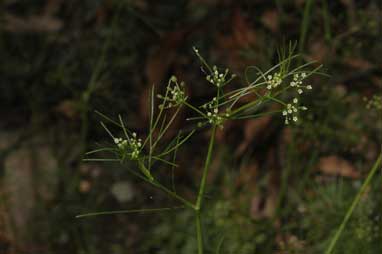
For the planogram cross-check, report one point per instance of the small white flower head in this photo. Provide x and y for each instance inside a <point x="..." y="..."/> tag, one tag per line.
<point x="217" y="78"/>
<point x="215" y="118"/>
<point x="298" y="84"/>
<point x="175" y="94"/>
<point x="212" y="114"/>
<point x="291" y="111"/>
<point x="273" y="81"/>
<point x="374" y="103"/>
<point x="130" y="146"/>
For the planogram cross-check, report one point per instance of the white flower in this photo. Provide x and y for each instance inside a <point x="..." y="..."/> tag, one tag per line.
<point x="175" y="94"/>
<point x="130" y="146"/>
<point x="291" y="110"/>
<point x="297" y="82"/>
<point x="274" y="81"/>
<point x="216" y="78"/>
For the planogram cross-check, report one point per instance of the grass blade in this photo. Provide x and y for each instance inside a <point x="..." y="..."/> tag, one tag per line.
<point x="149" y="210"/>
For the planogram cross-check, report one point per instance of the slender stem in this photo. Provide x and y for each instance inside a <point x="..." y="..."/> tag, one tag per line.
<point x="194" y="109"/>
<point x="199" y="233"/>
<point x="164" y="189"/>
<point x="304" y="27"/>
<point x="173" y="194"/>
<point x="205" y="170"/>
<point x="326" y="16"/>
<point x="244" y="107"/>
<point x="202" y="187"/>
<point x="354" y="204"/>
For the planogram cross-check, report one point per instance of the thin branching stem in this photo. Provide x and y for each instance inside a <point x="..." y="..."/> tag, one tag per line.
<point x="202" y="186"/>
<point x="354" y="204"/>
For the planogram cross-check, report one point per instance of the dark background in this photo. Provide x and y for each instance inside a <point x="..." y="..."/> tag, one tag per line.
<point x="274" y="188"/>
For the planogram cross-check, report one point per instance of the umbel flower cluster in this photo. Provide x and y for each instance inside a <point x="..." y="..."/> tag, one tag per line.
<point x="274" y="80"/>
<point x="291" y="111"/>
<point x="131" y="146"/>
<point x="213" y="115"/>
<point x="374" y="103"/>
<point x="297" y="83"/>
<point x="175" y="94"/>
<point x="216" y="78"/>
<point x="272" y="86"/>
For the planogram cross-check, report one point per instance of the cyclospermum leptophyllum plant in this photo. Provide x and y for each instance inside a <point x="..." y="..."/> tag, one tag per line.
<point x="280" y="86"/>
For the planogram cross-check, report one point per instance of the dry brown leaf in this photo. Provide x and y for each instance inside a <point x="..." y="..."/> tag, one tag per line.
<point x="288" y="242"/>
<point x="247" y="176"/>
<point x="318" y="51"/>
<point x="377" y="81"/>
<point x="84" y="186"/>
<point x="242" y="31"/>
<point x="68" y="108"/>
<point x="32" y="24"/>
<point x="263" y="207"/>
<point x="242" y="37"/>
<point x="333" y="165"/>
<point x="358" y="63"/>
<point x="252" y="129"/>
<point x="159" y="60"/>
<point x="270" y="19"/>
<point x="157" y="65"/>
<point x="52" y="7"/>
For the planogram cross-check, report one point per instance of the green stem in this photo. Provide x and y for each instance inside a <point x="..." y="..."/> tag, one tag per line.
<point x="304" y="26"/>
<point x="145" y="171"/>
<point x="194" y="109"/>
<point x="202" y="187"/>
<point x="164" y="189"/>
<point x="199" y="234"/>
<point x="326" y="16"/>
<point x="244" y="107"/>
<point x="173" y="194"/>
<point x="205" y="170"/>
<point x="354" y="204"/>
